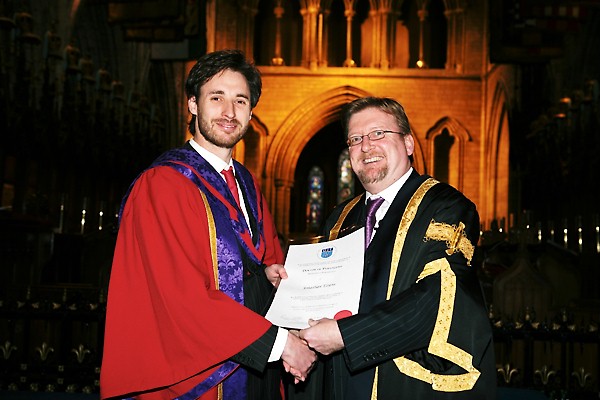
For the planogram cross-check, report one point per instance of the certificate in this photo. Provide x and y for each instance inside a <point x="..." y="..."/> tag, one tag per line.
<point x="324" y="281"/>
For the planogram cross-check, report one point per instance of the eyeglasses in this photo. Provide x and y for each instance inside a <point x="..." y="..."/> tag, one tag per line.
<point x="373" y="135"/>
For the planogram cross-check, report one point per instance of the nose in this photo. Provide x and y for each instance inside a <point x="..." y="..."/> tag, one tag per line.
<point x="366" y="144"/>
<point x="228" y="110"/>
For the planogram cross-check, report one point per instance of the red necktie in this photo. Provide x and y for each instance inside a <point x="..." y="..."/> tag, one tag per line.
<point x="372" y="206"/>
<point x="231" y="183"/>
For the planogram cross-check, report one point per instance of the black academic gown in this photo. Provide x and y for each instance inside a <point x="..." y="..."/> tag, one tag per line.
<point x="436" y="325"/>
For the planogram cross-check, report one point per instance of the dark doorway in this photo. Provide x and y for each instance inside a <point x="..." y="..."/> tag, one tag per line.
<point x="323" y="151"/>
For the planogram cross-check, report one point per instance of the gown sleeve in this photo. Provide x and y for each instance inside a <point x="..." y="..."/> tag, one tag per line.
<point x="166" y="322"/>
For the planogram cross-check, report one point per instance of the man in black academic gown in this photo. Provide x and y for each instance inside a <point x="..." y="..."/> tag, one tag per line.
<point x="422" y="330"/>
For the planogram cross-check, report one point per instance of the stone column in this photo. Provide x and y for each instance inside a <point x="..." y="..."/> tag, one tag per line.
<point x="349" y="13"/>
<point x="309" y="11"/>
<point x="278" y="11"/>
<point x="422" y="13"/>
<point x="281" y="208"/>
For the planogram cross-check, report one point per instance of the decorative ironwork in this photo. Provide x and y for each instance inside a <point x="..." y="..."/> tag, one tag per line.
<point x="7" y="349"/>
<point x="80" y="353"/>
<point x="44" y="351"/>
<point x="581" y="376"/>
<point x="507" y="372"/>
<point x="545" y="374"/>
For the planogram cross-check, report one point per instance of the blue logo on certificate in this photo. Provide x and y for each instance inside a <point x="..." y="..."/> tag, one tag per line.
<point x="327" y="252"/>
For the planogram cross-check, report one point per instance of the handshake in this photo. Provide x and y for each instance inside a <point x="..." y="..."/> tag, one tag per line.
<point x="300" y="352"/>
<point x="322" y="336"/>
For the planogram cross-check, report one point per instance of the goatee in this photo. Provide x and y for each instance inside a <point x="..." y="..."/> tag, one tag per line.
<point x="227" y="141"/>
<point x="370" y="177"/>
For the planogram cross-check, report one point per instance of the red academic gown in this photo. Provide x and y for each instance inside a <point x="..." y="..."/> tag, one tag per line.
<point x="167" y="326"/>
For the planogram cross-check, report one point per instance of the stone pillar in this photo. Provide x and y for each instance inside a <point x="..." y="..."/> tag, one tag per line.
<point x="422" y="13"/>
<point x="278" y="11"/>
<point x="349" y="13"/>
<point x="281" y="208"/>
<point x="246" y="27"/>
<point x="324" y="39"/>
<point x="309" y="11"/>
<point x="384" y="36"/>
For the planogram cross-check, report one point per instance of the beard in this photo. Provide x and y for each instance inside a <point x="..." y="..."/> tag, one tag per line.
<point x="211" y="133"/>
<point x="372" y="176"/>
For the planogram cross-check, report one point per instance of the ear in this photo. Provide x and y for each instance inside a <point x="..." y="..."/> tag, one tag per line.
<point x="409" y="143"/>
<point x="192" y="105"/>
<point x="250" y="117"/>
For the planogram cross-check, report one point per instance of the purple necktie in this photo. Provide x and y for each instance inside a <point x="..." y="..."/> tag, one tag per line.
<point x="372" y="206"/>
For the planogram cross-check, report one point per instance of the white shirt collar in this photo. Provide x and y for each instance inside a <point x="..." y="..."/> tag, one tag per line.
<point x="217" y="163"/>
<point x="389" y="193"/>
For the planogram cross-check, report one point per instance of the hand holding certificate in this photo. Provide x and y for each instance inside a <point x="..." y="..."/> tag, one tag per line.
<point x="324" y="281"/>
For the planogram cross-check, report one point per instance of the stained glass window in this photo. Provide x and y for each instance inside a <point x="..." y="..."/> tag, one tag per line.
<point x="316" y="183"/>
<point x="314" y="204"/>
<point x="345" y="184"/>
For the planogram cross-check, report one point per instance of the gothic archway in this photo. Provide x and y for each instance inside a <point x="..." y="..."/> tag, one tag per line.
<point x="495" y="175"/>
<point x="290" y="139"/>
<point x="454" y="130"/>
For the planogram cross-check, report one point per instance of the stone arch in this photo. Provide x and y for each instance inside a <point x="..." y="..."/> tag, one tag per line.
<point x="418" y="157"/>
<point x="291" y="138"/>
<point x="495" y="175"/>
<point x="456" y="130"/>
<point x="289" y="141"/>
<point x="251" y="150"/>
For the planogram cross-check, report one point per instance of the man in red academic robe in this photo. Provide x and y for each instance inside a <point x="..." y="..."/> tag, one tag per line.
<point x="193" y="269"/>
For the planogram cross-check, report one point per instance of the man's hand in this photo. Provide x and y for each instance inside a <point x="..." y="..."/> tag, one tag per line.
<point x="297" y="358"/>
<point x="323" y="336"/>
<point x="275" y="273"/>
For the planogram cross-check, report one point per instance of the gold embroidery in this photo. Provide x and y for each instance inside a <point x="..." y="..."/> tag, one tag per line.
<point x="333" y="234"/>
<point x="374" y="390"/>
<point x="454" y="236"/>
<point x="407" y="218"/>
<point x="212" y="235"/>
<point x="439" y="340"/>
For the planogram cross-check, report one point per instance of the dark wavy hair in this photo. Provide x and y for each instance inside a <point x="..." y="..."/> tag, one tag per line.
<point x="385" y="104"/>
<point x="214" y="63"/>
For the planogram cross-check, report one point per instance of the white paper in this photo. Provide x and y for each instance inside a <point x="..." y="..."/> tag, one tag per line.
<point x="324" y="281"/>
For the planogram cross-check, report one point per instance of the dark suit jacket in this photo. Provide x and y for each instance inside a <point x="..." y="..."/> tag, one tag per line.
<point x="434" y="321"/>
<point x="263" y="378"/>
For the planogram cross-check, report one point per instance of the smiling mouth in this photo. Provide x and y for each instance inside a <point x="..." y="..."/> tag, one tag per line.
<point x="372" y="159"/>
<point x="227" y="125"/>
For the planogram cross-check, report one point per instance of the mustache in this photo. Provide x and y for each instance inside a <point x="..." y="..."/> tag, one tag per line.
<point x="226" y="121"/>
